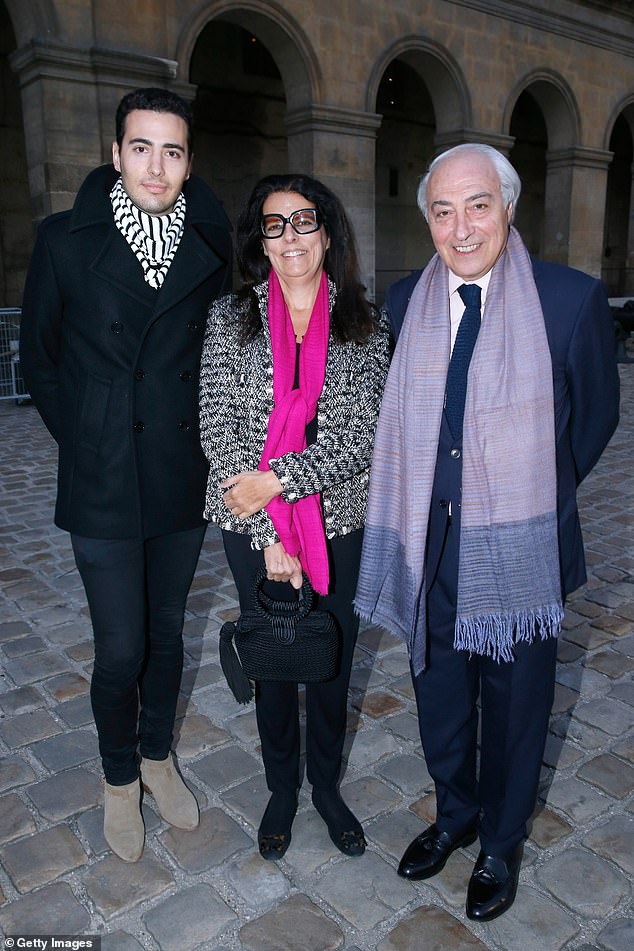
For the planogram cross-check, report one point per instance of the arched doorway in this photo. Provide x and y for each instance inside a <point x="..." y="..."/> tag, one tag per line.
<point x="618" y="247"/>
<point x="16" y="232"/>
<point x="404" y="147"/>
<point x="250" y="72"/>
<point x="240" y="111"/>
<point x="543" y="117"/>
<point x="424" y="103"/>
<point x="528" y="157"/>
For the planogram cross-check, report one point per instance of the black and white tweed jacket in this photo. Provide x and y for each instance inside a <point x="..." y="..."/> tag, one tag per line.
<point x="236" y="399"/>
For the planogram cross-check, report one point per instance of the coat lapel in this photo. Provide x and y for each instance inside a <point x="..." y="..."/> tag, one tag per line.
<point x="193" y="263"/>
<point x="117" y="264"/>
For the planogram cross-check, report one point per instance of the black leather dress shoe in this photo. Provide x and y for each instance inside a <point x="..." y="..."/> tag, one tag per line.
<point x="428" y="853"/>
<point x="493" y="885"/>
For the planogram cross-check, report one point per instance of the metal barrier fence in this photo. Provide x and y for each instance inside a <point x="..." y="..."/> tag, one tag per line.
<point x="12" y="386"/>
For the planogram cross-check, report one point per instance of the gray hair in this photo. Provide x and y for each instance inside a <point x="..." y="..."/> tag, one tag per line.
<point x="510" y="184"/>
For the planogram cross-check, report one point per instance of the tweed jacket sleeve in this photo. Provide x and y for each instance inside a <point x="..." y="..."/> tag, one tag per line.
<point x="236" y="399"/>
<point x="347" y="414"/>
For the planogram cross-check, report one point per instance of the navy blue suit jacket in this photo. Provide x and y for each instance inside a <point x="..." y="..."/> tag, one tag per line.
<point x="580" y="334"/>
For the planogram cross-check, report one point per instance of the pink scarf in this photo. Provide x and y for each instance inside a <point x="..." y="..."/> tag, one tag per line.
<point x="299" y="524"/>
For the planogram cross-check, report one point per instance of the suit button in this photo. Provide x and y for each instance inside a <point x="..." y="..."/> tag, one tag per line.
<point x="116" y="327"/>
<point x="192" y="325"/>
<point x="185" y="376"/>
<point x="139" y="427"/>
<point x="443" y="503"/>
<point x="183" y="426"/>
<point x="139" y="374"/>
<point x="455" y="453"/>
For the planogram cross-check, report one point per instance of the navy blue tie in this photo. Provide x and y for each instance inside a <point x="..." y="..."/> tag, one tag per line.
<point x="466" y="337"/>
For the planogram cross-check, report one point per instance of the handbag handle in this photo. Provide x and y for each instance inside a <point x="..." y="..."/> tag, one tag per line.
<point x="282" y="615"/>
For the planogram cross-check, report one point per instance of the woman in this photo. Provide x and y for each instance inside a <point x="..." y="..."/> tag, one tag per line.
<point x="292" y="375"/>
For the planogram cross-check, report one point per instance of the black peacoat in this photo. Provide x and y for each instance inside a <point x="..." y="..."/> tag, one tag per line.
<point x="113" y="364"/>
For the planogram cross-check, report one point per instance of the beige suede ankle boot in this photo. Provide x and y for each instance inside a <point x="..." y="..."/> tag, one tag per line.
<point x="176" y="804"/>
<point x="123" y="826"/>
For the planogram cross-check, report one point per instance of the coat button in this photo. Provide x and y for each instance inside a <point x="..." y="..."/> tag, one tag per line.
<point x="185" y="376"/>
<point x="116" y="327"/>
<point x="443" y="503"/>
<point x="139" y="374"/>
<point x="192" y="325"/>
<point x="183" y="426"/>
<point x="139" y="427"/>
<point x="455" y="453"/>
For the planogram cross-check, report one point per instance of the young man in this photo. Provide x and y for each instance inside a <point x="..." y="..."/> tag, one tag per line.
<point x="502" y="394"/>
<point x="113" y="322"/>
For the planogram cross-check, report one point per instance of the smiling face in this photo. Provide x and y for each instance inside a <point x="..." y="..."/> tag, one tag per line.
<point x="294" y="257"/>
<point x="467" y="218"/>
<point x="153" y="159"/>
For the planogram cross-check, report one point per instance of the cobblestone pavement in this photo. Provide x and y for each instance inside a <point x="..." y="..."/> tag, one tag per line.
<point x="209" y="889"/>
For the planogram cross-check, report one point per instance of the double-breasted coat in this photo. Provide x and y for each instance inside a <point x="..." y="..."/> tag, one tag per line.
<point x="113" y="364"/>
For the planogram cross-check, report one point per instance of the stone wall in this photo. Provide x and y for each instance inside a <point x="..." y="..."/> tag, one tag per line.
<point x="545" y="82"/>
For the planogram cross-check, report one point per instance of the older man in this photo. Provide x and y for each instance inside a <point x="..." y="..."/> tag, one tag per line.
<point x="501" y="397"/>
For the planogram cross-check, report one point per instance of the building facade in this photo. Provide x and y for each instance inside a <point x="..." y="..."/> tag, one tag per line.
<point x="361" y="94"/>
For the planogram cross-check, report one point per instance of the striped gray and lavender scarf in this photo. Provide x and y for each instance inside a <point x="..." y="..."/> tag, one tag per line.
<point x="508" y="578"/>
<point x="153" y="238"/>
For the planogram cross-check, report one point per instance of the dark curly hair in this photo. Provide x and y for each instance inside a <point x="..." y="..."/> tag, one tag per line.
<point x="153" y="99"/>
<point x="353" y="317"/>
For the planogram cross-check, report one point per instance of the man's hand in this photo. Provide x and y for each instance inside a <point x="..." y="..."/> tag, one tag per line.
<point x="280" y="566"/>
<point x="248" y="492"/>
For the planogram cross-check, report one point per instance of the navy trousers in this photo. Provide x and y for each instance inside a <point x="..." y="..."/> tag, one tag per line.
<point x="515" y="700"/>
<point x="136" y="590"/>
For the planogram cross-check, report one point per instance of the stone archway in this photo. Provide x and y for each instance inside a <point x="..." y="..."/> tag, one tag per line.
<point x="284" y="39"/>
<point x="618" y="246"/>
<point x="284" y="67"/>
<point x="567" y="223"/>
<point x="15" y="207"/>
<point x="425" y="105"/>
<point x="543" y="118"/>
<point x="334" y="144"/>
<point x="240" y="111"/>
<point x="248" y="66"/>
<point x="528" y="156"/>
<point x="35" y="18"/>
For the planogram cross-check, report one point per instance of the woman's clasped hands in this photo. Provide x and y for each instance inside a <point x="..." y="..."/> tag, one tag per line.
<point x="245" y="494"/>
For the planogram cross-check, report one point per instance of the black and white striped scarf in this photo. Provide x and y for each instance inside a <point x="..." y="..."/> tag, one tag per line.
<point x="153" y="238"/>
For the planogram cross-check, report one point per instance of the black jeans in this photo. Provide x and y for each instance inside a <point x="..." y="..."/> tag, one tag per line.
<point x="277" y="702"/>
<point x="136" y="589"/>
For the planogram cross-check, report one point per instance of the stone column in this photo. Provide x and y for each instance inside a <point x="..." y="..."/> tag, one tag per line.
<point x="628" y="277"/>
<point x="337" y="146"/>
<point x="574" y="216"/>
<point x="69" y="98"/>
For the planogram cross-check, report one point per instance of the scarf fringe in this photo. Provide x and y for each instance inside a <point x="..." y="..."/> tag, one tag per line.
<point x="496" y="635"/>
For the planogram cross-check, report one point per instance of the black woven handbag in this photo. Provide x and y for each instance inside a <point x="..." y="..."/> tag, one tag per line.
<point x="279" y="640"/>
